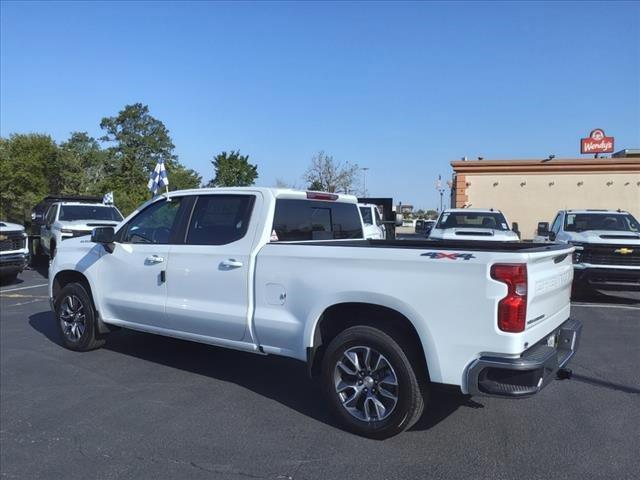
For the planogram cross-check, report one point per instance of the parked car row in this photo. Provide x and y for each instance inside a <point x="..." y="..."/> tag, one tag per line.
<point x="54" y="220"/>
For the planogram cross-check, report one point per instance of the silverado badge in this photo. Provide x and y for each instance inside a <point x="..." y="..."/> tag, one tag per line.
<point x="623" y="251"/>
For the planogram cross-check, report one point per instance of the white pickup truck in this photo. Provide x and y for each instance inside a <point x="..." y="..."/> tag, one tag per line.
<point x="473" y="224"/>
<point x="607" y="244"/>
<point x="282" y="272"/>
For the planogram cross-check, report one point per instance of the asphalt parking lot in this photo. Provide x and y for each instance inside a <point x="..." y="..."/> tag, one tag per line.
<point x="151" y="407"/>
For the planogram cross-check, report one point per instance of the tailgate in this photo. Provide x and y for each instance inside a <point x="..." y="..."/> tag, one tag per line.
<point x="549" y="285"/>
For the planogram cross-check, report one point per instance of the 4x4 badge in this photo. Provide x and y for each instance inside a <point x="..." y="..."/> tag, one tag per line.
<point x="450" y="256"/>
<point x="623" y="251"/>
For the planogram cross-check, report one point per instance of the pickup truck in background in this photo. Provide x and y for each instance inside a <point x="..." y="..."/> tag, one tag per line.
<point x="473" y="224"/>
<point x="14" y="253"/>
<point x="607" y="243"/>
<point x="282" y="272"/>
<point x="372" y="225"/>
<point x="64" y="220"/>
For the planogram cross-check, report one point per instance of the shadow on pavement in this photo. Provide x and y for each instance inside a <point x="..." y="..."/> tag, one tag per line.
<point x="281" y="379"/>
<point x="10" y="281"/>
<point x="604" y="383"/>
<point x="604" y="297"/>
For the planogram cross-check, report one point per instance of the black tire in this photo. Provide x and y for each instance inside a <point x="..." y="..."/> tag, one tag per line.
<point x="84" y="336"/>
<point x="411" y="391"/>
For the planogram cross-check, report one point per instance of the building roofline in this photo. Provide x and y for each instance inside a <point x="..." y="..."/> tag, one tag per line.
<point x="538" y="165"/>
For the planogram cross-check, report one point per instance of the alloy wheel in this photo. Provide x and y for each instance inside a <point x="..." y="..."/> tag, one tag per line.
<point x="72" y="318"/>
<point x="366" y="384"/>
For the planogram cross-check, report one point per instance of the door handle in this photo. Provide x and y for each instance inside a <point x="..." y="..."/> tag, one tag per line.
<point x="230" y="263"/>
<point x="153" y="259"/>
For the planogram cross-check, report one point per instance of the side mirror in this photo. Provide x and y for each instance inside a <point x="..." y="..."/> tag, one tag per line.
<point x="552" y="236"/>
<point x="515" y="228"/>
<point x="399" y="219"/>
<point x="543" y="229"/>
<point x="103" y="235"/>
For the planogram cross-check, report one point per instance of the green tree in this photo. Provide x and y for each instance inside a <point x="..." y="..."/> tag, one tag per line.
<point x="432" y="214"/>
<point x="181" y="178"/>
<point x="328" y="175"/>
<point x="29" y="170"/>
<point x="233" y="170"/>
<point x="83" y="165"/>
<point x="137" y="142"/>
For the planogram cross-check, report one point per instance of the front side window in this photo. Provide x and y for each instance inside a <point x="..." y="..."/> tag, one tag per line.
<point x="493" y="220"/>
<point x="70" y="213"/>
<point x="154" y="224"/>
<point x="51" y="214"/>
<point x="220" y="219"/>
<point x="366" y="215"/>
<point x="300" y="220"/>
<point x="377" y="215"/>
<point x="580" y="222"/>
<point x="555" y="227"/>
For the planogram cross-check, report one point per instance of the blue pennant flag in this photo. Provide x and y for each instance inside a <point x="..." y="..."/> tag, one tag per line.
<point x="158" y="177"/>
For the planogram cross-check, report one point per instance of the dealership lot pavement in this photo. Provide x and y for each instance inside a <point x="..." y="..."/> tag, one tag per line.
<point x="151" y="407"/>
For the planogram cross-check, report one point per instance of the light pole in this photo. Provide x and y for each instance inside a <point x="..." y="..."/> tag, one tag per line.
<point x="364" y="180"/>
<point x="441" y="189"/>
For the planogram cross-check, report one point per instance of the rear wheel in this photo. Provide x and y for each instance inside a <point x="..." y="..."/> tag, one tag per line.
<point x="76" y="318"/>
<point x="370" y="383"/>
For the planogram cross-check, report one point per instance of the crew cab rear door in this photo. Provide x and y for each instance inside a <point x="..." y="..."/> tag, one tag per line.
<point x="208" y="274"/>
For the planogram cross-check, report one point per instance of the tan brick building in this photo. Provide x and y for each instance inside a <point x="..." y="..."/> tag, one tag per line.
<point x="529" y="191"/>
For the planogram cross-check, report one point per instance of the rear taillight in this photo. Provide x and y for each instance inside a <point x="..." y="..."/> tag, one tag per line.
<point x="512" y="309"/>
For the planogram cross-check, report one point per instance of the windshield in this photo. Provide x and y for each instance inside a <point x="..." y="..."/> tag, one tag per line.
<point x="366" y="215"/>
<point x="494" y="220"/>
<point x="71" y="213"/>
<point x="619" y="222"/>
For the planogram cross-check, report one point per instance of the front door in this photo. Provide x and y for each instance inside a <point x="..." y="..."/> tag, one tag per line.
<point x="132" y="276"/>
<point x="208" y="276"/>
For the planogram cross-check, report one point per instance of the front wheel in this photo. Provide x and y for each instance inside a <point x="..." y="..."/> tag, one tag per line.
<point x="76" y="319"/>
<point x="370" y="384"/>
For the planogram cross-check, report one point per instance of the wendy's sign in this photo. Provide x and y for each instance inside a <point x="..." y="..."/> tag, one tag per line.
<point x="597" y="142"/>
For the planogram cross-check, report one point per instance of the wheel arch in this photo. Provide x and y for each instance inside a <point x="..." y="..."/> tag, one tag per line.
<point x="65" y="277"/>
<point x="340" y="316"/>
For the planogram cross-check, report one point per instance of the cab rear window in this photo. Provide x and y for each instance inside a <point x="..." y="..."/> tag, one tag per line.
<point x="300" y="220"/>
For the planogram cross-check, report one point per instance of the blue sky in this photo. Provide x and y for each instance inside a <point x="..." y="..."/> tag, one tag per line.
<point x="401" y="88"/>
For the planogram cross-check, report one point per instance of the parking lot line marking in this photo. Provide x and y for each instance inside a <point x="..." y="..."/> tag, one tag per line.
<point x="604" y="305"/>
<point x="23" y="288"/>
<point x="26" y="303"/>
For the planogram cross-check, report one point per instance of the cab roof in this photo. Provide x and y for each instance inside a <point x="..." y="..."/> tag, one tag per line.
<point x="272" y="192"/>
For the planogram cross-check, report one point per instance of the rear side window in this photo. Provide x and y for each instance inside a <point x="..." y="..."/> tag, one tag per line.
<point x="299" y="220"/>
<point x="219" y="219"/>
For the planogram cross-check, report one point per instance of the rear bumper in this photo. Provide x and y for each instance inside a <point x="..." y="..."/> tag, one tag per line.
<point x="13" y="262"/>
<point x="609" y="278"/>
<point x="502" y="376"/>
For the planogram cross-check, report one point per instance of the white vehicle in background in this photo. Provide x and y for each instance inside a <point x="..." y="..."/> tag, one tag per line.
<point x="65" y="220"/>
<point x="607" y="243"/>
<point x="283" y="272"/>
<point x="473" y="224"/>
<point x="373" y="228"/>
<point x="14" y="253"/>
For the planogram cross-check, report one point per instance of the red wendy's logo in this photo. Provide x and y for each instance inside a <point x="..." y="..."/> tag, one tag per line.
<point x="597" y="142"/>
